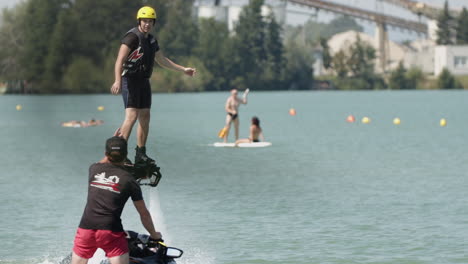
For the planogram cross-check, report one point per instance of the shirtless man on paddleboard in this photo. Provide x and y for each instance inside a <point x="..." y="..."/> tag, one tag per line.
<point x="232" y="108"/>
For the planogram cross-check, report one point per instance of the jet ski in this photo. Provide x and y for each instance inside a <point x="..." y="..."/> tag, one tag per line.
<point x="144" y="250"/>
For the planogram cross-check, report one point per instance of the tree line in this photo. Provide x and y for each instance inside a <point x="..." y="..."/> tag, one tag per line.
<point x="65" y="46"/>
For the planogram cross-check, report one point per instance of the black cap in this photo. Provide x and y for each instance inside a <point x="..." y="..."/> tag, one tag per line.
<point x="116" y="144"/>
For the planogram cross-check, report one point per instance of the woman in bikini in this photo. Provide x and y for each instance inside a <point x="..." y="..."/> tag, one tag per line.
<point x="255" y="134"/>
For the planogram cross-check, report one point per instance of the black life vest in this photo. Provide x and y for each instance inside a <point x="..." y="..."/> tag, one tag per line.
<point x="140" y="61"/>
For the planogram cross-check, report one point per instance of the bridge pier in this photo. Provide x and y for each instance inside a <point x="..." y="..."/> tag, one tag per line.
<point x="381" y="37"/>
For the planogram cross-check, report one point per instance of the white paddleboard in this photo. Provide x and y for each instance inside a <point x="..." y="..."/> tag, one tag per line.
<point x="243" y="145"/>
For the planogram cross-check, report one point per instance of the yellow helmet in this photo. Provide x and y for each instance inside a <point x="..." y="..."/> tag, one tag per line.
<point x="146" y="12"/>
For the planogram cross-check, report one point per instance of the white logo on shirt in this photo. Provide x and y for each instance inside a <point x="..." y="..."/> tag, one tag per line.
<point x="110" y="183"/>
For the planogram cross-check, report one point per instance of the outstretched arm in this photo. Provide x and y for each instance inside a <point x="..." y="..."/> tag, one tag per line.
<point x="146" y="220"/>
<point x="244" y="96"/>
<point x="168" y="64"/>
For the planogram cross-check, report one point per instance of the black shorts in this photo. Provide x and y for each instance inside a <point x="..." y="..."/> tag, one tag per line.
<point x="136" y="92"/>
<point x="233" y="116"/>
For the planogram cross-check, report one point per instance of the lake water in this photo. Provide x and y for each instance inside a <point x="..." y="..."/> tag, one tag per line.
<point x="326" y="191"/>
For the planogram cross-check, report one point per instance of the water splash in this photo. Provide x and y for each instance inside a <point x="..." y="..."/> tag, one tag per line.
<point x="98" y="256"/>
<point x="191" y="255"/>
<point x="47" y="261"/>
<point x="197" y="256"/>
<point x="157" y="214"/>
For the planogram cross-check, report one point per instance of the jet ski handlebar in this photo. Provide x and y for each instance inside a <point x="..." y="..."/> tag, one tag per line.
<point x="142" y="245"/>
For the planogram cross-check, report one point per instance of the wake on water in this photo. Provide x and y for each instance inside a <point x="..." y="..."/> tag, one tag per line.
<point x="197" y="256"/>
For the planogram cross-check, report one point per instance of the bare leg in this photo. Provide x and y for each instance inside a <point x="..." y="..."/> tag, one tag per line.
<point x="236" y="127"/>
<point x="228" y="127"/>
<point x="131" y="115"/>
<point x="122" y="259"/>
<point x="143" y="127"/>
<point x="78" y="260"/>
<point x="243" y="140"/>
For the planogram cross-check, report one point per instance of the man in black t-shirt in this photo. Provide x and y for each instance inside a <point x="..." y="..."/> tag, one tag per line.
<point x="109" y="188"/>
<point x="133" y="68"/>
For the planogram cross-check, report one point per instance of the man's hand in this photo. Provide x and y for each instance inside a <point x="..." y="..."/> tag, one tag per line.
<point x="118" y="133"/>
<point x="115" y="89"/>
<point x="190" y="71"/>
<point x="156" y="236"/>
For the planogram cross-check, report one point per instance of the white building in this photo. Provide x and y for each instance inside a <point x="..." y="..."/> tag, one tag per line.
<point x="453" y="58"/>
<point x="420" y="54"/>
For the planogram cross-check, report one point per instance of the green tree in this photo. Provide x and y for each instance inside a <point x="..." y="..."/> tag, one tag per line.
<point x="326" y="56"/>
<point x="273" y="70"/>
<point x="61" y="46"/>
<point x="462" y="27"/>
<point x="179" y="35"/>
<point x="232" y="73"/>
<point x="415" y="77"/>
<point x="361" y="59"/>
<point x="447" y="81"/>
<point x="212" y="40"/>
<point x="73" y="81"/>
<point x="340" y="64"/>
<point x="355" y="67"/>
<point x="173" y="82"/>
<point x="444" y="22"/>
<point x="398" y="80"/>
<point x="249" y="43"/>
<point x="43" y="14"/>
<point x="299" y="73"/>
<point x="12" y="43"/>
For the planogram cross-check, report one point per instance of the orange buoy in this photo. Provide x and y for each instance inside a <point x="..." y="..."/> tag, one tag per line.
<point x="350" y="119"/>
<point x="292" y="111"/>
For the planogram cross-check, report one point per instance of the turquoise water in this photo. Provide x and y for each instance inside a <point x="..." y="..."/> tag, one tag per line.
<point x="326" y="191"/>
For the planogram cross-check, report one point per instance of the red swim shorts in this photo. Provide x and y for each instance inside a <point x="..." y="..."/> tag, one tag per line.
<point x="87" y="241"/>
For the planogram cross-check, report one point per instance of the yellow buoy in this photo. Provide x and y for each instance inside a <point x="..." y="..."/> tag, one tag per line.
<point x="100" y="108"/>
<point x="365" y="120"/>
<point x="443" y="122"/>
<point x="19" y="107"/>
<point x="396" y="121"/>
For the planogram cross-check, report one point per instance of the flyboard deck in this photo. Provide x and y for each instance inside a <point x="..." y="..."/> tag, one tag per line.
<point x="243" y="145"/>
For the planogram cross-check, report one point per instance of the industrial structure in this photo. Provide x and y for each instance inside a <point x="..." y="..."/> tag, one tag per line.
<point x="229" y="10"/>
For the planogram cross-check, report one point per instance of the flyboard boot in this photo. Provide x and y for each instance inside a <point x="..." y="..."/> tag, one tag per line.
<point x="141" y="157"/>
<point x="146" y="164"/>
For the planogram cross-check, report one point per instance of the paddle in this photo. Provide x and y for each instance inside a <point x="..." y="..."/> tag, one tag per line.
<point x="222" y="132"/>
